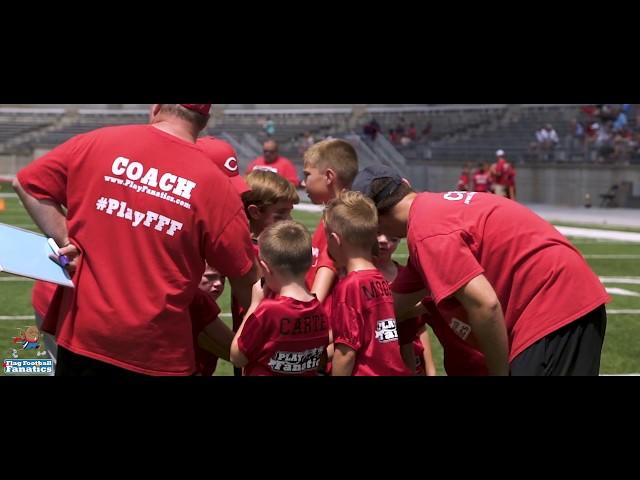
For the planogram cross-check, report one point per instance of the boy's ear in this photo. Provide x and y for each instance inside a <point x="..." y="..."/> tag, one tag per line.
<point x="331" y="176"/>
<point x="337" y="238"/>
<point x="254" y="212"/>
<point x="265" y="266"/>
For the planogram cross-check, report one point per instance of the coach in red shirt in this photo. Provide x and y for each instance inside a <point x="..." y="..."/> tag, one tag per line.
<point x="144" y="211"/>
<point x="533" y="304"/>
<point x="272" y="161"/>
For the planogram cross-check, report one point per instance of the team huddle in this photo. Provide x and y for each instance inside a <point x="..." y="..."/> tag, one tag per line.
<point x="502" y="290"/>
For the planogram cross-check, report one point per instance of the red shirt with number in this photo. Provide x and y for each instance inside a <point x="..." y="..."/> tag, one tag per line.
<point x="363" y="319"/>
<point x="140" y="210"/>
<point x="542" y="281"/>
<point x="285" y="337"/>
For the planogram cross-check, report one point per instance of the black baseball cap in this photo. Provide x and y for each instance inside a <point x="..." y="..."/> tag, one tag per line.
<point x="366" y="177"/>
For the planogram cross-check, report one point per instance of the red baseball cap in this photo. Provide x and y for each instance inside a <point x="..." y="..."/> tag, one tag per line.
<point x="202" y="108"/>
<point x="224" y="157"/>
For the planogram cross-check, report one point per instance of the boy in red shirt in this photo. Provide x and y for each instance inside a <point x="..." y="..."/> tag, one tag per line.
<point x="464" y="181"/>
<point x="482" y="179"/>
<point x="211" y="337"/>
<point x="329" y="168"/>
<point x="414" y="337"/>
<point x="288" y="332"/>
<point x="269" y="199"/>
<point x="363" y="323"/>
<point x="533" y="304"/>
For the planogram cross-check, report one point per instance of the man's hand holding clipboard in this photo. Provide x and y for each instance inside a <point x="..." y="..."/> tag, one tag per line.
<point x="66" y="257"/>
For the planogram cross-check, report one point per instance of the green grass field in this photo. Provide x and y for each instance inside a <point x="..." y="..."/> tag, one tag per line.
<point x="612" y="259"/>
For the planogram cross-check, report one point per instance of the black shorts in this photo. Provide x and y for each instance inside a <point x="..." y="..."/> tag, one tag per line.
<point x="574" y="350"/>
<point x="71" y="364"/>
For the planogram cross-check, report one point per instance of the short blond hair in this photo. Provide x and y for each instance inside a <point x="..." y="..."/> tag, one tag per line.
<point x="268" y="188"/>
<point x="286" y="247"/>
<point x="338" y="155"/>
<point x="354" y="217"/>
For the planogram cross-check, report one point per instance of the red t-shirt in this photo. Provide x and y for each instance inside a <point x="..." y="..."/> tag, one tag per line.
<point x="237" y="312"/>
<point x="409" y="330"/>
<point x="41" y="296"/>
<point x="503" y="173"/>
<point x="140" y="209"/>
<point x="481" y="181"/>
<point x="225" y="158"/>
<point x="542" y="281"/>
<point x="449" y="324"/>
<point x="364" y="320"/>
<point x="285" y="337"/>
<point x="321" y="259"/>
<point x="282" y="166"/>
<point x="463" y="181"/>
<point x="203" y="311"/>
<point x="409" y="333"/>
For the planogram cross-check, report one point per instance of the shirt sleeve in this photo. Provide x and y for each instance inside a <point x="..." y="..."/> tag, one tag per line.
<point x="346" y="326"/>
<point x="46" y="178"/>
<point x="204" y="310"/>
<point x="324" y="260"/>
<point x="447" y="263"/>
<point x="408" y="280"/>
<point x="254" y="335"/>
<point x="231" y="252"/>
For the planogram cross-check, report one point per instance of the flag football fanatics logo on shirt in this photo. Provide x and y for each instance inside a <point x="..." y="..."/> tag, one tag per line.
<point x="386" y="331"/>
<point x="27" y="367"/>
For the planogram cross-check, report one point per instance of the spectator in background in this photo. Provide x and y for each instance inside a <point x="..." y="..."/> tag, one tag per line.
<point x="426" y="131"/>
<point x="412" y="133"/>
<point x="464" y="182"/>
<point x="603" y="142"/>
<point x="502" y="177"/>
<point x="273" y="162"/>
<point x="482" y="179"/>
<point x="372" y="129"/>
<point x="393" y="136"/>
<point x="620" y="122"/>
<point x="546" y="141"/>
<point x="269" y="127"/>
<point x="606" y="113"/>
<point x="306" y="142"/>
<point x="400" y="129"/>
<point x="622" y="145"/>
<point x="575" y="137"/>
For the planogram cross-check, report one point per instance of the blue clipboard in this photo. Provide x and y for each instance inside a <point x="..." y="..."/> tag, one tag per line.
<point x="26" y="254"/>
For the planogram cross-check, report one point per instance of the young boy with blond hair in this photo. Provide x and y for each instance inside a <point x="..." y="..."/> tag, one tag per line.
<point x="363" y="323"/>
<point x="288" y="332"/>
<point x="330" y="167"/>
<point x="270" y="199"/>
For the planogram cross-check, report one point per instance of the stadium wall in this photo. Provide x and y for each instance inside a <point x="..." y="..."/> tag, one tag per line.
<point x="546" y="184"/>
